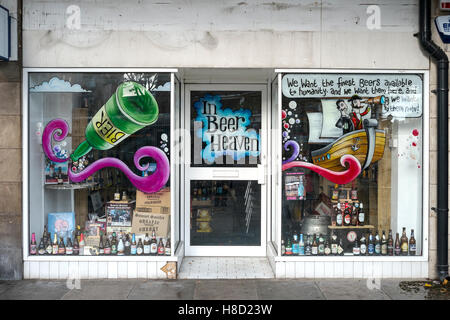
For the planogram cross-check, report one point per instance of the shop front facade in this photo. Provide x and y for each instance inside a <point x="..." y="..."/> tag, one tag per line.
<point x="288" y="133"/>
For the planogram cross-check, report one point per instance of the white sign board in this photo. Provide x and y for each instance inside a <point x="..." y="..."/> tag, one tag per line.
<point x="403" y="92"/>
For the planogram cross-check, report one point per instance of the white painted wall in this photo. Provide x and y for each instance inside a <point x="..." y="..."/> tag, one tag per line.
<point x="202" y="33"/>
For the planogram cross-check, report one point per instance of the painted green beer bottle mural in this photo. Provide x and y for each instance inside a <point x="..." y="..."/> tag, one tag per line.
<point x="131" y="108"/>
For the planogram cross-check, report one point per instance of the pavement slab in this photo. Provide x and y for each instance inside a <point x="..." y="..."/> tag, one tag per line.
<point x="346" y="289"/>
<point x="394" y="291"/>
<point x="163" y="290"/>
<point x="288" y="290"/>
<point x="34" y="289"/>
<point x="226" y="290"/>
<point x="101" y="290"/>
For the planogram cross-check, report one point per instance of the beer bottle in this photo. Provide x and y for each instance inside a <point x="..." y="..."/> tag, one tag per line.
<point x="289" y="247"/>
<point x="120" y="247"/>
<point x="301" y="245"/>
<point x="69" y="247"/>
<point x="131" y="108"/>
<point x="107" y="246"/>
<point x="41" y="248"/>
<point x="347" y="215"/>
<point x="412" y="244"/>
<point x="371" y="246"/>
<point x="295" y="249"/>
<point x="334" y="215"/>
<point x="361" y="215"/>
<point x="153" y="245"/>
<point x="321" y="246"/>
<point x="140" y="248"/>
<point x="327" y="250"/>
<point x="101" y="247"/>
<point x="167" y="248"/>
<point x="76" y="246"/>
<point x="114" y="244"/>
<point x="356" y="248"/>
<point x="339" y="217"/>
<point x="55" y="244"/>
<point x="133" y="248"/>
<point x="127" y="245"/>
<point x="397" y="245"/>
<point x="334" y="244"/>
<point x="33" y="249"/>
<point x="384" y="245"/>
<point x="340" y="248"/>
<point x="160" y="247"/>
<point x="78" y="234"/>
<point x="146" y="244"/>
<point x="354" y="216"/>
<point x="61" y="247"/>
<point x="362" y="246"/>
<point x="283" y="248"/>
<point x="48" y="245"/>
<point x="308" y="249"/>
<point x="82" y="244"/>
<point x="45" y="235"/>
<point x="314" y="247"/>
<point x="404" y="243"/>
<point x="390" y="245"/>
<point x="377" y="244"/>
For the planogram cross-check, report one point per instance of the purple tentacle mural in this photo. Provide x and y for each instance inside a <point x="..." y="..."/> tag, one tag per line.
<point x="148" y="184"/>
<point x="296" y="150"/>
<point x="59" y="129"/>
<point x="343" y="177"/>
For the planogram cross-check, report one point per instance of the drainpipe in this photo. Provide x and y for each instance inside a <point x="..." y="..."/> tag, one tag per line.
<point x="441" y="59"/>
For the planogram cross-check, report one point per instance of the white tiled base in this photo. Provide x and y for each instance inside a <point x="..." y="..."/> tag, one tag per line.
<point x="94" y="270"/>
<point x="225" y="268"/>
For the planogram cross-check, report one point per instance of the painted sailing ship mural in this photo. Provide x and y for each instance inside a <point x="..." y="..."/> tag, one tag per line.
<point x="361" y="139"/>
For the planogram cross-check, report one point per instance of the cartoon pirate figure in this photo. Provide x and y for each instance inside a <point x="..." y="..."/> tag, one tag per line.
<point x="357" y="115"/>
<point x="344" y="121"/>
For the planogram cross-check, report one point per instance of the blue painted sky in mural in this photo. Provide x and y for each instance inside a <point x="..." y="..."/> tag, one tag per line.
<point x="227" y="134"/>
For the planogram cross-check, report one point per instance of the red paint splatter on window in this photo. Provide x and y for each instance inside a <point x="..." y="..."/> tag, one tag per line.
<point x="415" y="132"/>
<point x="283" y="114"/>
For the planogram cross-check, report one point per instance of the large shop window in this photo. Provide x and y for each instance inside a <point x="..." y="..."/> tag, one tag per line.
<point x="352" y="164"/>
<point x="99" y="150"/>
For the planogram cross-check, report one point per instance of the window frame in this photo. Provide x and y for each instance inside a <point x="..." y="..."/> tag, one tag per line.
<point x="277" y="149"/>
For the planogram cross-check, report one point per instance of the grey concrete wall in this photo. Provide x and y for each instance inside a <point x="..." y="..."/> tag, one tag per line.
<point x="11" y="266"/>
<point x="231" y="33"/>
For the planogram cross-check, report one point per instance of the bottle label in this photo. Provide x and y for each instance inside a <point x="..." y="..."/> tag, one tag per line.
<point x="301" y="250"/>
<point x="106" y="129"/>
<point x="339" y="219"/>
<point x="288" y="251"/>
<point x="133" y="249"/>
<point x="384" y="249"/>
<point x="347" y="219"/>
<point x="356" y="251"/>
<point x="107" y="250"/>
<point x="377" y="248"/>
<point x="371" y="248"/>
<point x="153" y="248"/>
<point x="334" y="248"/>
<point x="167" y="251"/>
<point x="361" y="217"/>
<point x="33" y="249"/>
<point x="404" y="247"/>
<point x="146" y="249"/>
<point x="69" y="250"/>
<point x="161" y="250"/>
<point x="139" y="250"/>
<point x="41" y="251"/>
<point x="314" y="250"/>
<point x="295" y="249"/>
<point x="363" y="249"/>
<point x="327" y="250"/>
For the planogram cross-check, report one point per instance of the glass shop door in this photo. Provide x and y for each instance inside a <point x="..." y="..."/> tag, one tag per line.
<point x="224" y="170"/>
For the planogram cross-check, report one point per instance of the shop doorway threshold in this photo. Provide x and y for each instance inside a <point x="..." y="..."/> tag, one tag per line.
<point x="225" y="268"/>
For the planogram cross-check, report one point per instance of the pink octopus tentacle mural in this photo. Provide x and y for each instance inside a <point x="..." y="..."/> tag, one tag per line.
<point x="343" y="177"/>
<point x="152" y="183"/>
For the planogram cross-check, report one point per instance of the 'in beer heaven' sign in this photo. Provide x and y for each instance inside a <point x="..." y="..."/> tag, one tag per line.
<point x="225" y="131"/>
<point x="403" y="92"/>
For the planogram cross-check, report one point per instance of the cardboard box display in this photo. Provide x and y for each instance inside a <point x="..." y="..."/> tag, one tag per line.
<point x="144" y="222"/>
<point x="160" y="199"/>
